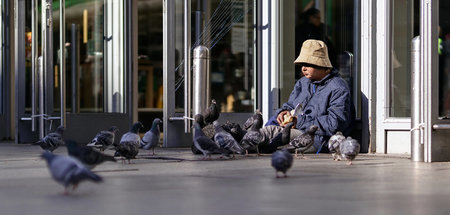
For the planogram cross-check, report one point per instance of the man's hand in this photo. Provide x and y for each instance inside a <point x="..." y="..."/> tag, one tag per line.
<point x="281" y="116"/>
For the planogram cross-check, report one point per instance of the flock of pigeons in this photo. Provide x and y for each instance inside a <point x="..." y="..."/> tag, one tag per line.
<point x="210" y="137"/>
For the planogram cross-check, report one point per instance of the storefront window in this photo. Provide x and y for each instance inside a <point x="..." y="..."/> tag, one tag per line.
<point x="330" y="21"/>
<point x="402" y="32"/>
<point x="444" y="59"/>
<point x="227" y="31"/>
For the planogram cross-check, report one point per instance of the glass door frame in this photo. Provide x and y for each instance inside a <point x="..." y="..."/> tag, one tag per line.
<point x="177" y="131"/>
<point x="436" y="130"/>
<point x="26" y="131"/>
<point x="5" y="86"/>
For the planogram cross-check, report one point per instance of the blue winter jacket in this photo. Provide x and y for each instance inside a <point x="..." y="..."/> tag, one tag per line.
<point x="326" y="103"/>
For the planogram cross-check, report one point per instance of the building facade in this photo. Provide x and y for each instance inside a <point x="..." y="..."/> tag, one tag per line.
<point x="131" y="60"/>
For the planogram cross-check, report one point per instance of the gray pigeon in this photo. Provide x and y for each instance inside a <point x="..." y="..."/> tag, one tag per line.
<point x="52" y="140"/>
<point x="205" y="144"/>
<point x="304" y="141"/>
<point x="129" y="143"/>
<point x="334" y="144"/>
<point x="151" y="138"/>
<point x="68" y="171"/>
<point x="226" y="141"/>
<point x="248" y="124"/>
<point x="104" y="139"/>
<point x="281" y="161"/>
<point x="212" y="113"/>
<point x="349" y="149"/>
<point x="280" y="139"/>
<point x="87" y="155"/>
<point x="253" y="137"/>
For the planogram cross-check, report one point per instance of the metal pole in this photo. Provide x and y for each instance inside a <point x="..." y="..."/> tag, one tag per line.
<point x="33" y="62"/>
<point x="62" y="62"/>
<point x="74" y="63"/>
<point x="200" y="67"/>
<point x="417" y="153"/>
<point x="187" y="65"/>
<point x="42" y="66"/>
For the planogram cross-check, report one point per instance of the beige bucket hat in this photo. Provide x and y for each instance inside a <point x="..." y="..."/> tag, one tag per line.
<point x="314" y="52"/>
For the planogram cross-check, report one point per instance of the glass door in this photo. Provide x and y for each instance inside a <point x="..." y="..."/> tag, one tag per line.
<point x="4" y="74"/>
<point x="226" y="28"/>
<point x="74" y="73"/>
<point x="435" y="28"/>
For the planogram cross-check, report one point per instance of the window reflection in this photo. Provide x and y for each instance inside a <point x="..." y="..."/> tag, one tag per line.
<point x="334" y="23"/>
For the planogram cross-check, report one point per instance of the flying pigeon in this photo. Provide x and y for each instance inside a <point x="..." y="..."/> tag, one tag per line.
<point x="280" y="139"/>
<point x="334" y="144"/>
<point x="226" y="141"/>
<point x="253" y="137"/>
<point x="151" y="137"/>
<point x="52" y="140"/>
<point x="204" y="143"/>
<point x="212" y="113"/>
<point x="68" y="171"/>
<point x="129" y="143"/>
<point x="349" y="149"/>
<point x="87" y="155"/>
<point x="304" y="141"/>
<point x="104" y="139"/>
<point x="248" y="124"/>
<point x="281" y="161"/>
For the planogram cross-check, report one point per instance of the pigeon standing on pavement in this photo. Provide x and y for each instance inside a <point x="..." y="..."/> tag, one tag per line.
<point x="104" y="139"/>
<point x="212" y="113"/>
<point x="280" y="139"/>
<point x="235" y="130"/>
<point x="257" y="116"/>
<point x="334" y="145"/>
<point x="87" y="155"/>
<point x="151" y="138"/>
<point x="205" y="144"/>
<point x="129" y="143"/>
<point x="253" y="137"/>
<point x="304" y="141"/>
<point x="52" y="140"/>
<point x="349" y="149"/>
<point x="226" y="141"/>
<point x="281" y="161"/>
<point x="68" y="171"/>
<point x="208" y="130"/>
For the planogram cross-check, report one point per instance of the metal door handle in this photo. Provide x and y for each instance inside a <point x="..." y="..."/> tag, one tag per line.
<point x="441" y="126"/>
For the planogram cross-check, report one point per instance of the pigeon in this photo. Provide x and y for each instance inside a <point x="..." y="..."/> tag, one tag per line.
<point x="104" y="139"/>
<point x="304" y="141"/>
<point x="349" y="149"/>
<point x="212" y="113"/>
<point x="235" y="130"/>
<point x="87" y="155"/>
<point x="280" y="139"/>
<point x="52" y="140"/>
<point x="129" y="143"/>
<point x="205" y="144"/>
<point x="226" y="141"/>
<point x="281" y="161"/>
<point x="334" y="144"/>
<point x="68" y="171"/>
<point x="248" y="124"/>
<point x="208" y="130"/>
<point x="253" y="137"/>
<point x="151" y="138"/>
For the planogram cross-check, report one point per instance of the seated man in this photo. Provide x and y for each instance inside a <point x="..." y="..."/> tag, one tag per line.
<point x="324" y="95"/>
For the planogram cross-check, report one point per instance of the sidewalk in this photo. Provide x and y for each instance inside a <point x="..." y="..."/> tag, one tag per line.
<point x="245" y="185"/>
